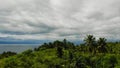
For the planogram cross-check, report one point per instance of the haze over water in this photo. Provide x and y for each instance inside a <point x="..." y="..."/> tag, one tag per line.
<point x="17" y="47"/>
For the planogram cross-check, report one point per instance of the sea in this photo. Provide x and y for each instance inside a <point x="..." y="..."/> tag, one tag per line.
<point x="18" y="48"/>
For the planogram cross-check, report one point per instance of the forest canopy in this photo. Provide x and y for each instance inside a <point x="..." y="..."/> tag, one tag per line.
<point x="93" y="53"/>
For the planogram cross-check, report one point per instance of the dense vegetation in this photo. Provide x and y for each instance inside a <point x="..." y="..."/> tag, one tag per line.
<point x="64" y="54"/>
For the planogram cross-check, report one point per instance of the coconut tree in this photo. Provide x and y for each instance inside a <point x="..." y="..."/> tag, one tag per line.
<point x="91" y="43"/>
<point x="102" y="45"/>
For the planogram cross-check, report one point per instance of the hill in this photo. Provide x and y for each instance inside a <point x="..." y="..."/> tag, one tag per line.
<point x="64" y="54"/>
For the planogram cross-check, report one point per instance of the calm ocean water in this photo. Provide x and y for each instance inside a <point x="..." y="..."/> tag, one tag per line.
<point x="17" y="47"/>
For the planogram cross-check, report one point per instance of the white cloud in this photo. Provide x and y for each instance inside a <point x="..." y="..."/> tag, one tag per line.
<point x="58" y="19"/>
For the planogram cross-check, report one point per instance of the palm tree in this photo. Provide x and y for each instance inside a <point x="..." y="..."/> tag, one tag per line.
<point x="65" y="43"/>
<point x="91" y="43"/>
<point x="59" y="52"/>
<point x="102" y="45"/>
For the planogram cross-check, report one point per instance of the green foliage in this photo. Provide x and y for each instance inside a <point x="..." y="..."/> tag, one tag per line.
<point x="102" y="47"/>
<point x="64" y="54"/>
<point x="91" y="43"/>
<point x="59" y="52"/>
<point x="7" y="54"/>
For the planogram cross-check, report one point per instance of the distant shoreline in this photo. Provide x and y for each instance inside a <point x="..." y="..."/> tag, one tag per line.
<point x="18" y="48"/>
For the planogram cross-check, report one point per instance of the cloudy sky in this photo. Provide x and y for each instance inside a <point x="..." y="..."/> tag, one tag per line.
<point x="59" y="19"/>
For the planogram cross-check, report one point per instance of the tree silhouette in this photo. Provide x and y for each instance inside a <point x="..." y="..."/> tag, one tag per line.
<point x="65" y="43"/>
<point x="102" y="45"/>
<point x="91" y="43"/>
<point x="59" y="52"/>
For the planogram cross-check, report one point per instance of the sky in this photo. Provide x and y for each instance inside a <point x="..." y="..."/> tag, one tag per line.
<point x="59" y="19"/>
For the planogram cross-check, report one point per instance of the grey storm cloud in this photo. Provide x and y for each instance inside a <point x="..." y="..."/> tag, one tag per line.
<point x="58" y="19"/>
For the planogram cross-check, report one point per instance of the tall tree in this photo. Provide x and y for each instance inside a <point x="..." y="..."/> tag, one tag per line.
<point x="102" y="45"/>
<point x="91" y="43"/>
<point x="59" y="52"/>
<point x="65" y="43"/>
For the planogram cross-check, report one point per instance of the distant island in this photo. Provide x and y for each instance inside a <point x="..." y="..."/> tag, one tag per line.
<point x="93" y="53"/>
